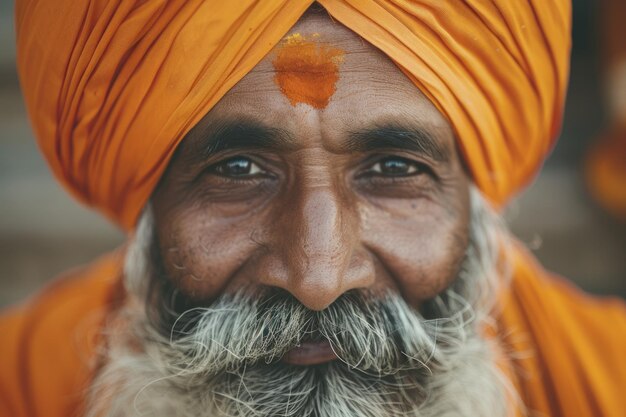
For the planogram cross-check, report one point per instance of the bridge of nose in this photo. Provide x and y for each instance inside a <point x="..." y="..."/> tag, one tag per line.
<point x="318" y="239"/>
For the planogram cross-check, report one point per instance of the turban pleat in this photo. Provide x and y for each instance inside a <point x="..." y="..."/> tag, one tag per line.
<point x="112" y="87"/>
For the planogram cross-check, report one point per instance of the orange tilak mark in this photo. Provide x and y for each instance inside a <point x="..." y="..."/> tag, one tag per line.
<point x="306" y="72"/>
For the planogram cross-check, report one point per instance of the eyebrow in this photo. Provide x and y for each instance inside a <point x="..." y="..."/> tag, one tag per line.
<point x="245" y="134"/>
<point x="396" y="136"/>
<point x="242" y="134"/>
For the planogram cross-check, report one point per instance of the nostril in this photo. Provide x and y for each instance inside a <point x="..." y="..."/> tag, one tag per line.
<point x="317" y="281"/>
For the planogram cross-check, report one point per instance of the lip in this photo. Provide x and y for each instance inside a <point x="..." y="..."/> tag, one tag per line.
<point x="310" y="353"/>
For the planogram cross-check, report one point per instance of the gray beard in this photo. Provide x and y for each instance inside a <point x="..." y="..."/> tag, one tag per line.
<point x="224" y="359"/>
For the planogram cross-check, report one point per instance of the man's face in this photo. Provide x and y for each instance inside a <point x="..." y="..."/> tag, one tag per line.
<point x="309" y="252"/>
<point x="323" y="170"/>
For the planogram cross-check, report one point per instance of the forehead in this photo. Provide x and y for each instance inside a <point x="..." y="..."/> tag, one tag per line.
<point x="367" y="87"/>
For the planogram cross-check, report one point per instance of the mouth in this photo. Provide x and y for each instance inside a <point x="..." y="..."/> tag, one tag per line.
<point x="310" y="353"/>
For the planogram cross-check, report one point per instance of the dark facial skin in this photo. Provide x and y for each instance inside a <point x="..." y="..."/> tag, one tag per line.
<point x="368" y="192"/>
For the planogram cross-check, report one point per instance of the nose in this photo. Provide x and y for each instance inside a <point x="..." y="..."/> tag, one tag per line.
<point x="317" y="256"/>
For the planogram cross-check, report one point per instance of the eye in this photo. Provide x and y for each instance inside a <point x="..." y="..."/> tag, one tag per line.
<point x="395" y="167"/>
<point x="238" y="166"/>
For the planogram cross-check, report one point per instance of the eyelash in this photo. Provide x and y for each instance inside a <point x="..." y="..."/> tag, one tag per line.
<point x="213" y="169"/>
<point x="420" y="168"/>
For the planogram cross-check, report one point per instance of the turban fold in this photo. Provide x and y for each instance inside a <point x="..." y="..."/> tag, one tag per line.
<point x="113" y="86"/>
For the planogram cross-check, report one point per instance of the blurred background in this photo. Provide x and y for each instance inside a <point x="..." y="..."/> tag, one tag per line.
<point x="44" y="232"/>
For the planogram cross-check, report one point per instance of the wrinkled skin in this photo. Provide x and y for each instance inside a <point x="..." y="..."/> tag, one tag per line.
<point x="317" y="214"/>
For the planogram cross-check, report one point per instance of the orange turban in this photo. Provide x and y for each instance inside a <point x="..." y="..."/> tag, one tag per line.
<point x="113" y="86"/>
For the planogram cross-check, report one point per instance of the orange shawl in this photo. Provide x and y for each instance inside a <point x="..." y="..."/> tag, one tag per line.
<point x="567" y="348"/>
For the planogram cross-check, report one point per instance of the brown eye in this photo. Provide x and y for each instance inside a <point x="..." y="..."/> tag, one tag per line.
<point x="395" y="167"/>
<point x="237" y="166"/>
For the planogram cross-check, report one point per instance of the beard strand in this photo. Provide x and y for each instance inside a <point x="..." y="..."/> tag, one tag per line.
<point x="225" y="359"/>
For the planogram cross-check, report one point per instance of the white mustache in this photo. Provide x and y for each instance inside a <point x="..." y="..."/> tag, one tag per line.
<point x="375" y="335"/>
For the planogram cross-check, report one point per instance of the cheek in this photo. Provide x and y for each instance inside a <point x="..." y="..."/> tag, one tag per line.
<point x="421" y="246"/>
<point x="201" y="252"/>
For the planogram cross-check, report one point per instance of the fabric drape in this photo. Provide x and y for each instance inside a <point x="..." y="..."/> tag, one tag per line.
<point x="113" y="86"/>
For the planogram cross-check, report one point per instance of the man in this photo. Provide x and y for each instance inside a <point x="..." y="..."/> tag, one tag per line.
<point x="312" y="235"/>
